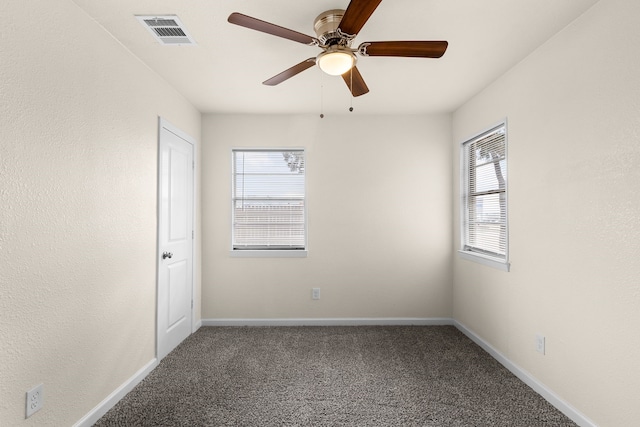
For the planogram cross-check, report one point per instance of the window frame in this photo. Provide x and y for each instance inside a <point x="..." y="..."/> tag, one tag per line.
<point x="266" y="252"/>
<point x="464" y="251"/>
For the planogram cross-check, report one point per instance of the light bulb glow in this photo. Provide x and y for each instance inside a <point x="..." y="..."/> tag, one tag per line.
<point x="336" y="62"/>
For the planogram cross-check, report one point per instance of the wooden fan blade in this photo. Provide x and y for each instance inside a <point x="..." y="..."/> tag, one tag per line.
<point x="266" y="27"/>
<point x="356" y="15"/>
<point x="288" y="73"/>
<point x="415" y="49"/>
<point x="355" y="82"/>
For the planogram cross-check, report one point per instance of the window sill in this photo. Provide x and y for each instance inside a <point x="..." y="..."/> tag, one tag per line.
<point x="268" y="254"/>
<point x="485" y="260"/>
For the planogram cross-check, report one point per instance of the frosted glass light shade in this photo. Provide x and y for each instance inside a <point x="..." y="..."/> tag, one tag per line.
<point x="336" y="62"/>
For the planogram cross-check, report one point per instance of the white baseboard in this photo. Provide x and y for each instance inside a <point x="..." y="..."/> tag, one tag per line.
<point x="524" y="376"/>
<point x="109" y="402"/>
<point x="341" y="321"/>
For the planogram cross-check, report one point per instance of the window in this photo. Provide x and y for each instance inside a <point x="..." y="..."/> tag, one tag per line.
<point x="269" y="202"/>
<point x="484" y="198"/>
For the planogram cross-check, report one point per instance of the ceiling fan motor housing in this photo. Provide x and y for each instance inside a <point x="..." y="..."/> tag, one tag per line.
<point x="326" y="27"/>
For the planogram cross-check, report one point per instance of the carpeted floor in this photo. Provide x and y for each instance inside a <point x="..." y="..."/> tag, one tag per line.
<point x="331" y="376"/>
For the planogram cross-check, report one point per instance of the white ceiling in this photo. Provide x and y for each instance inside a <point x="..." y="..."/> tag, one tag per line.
<point x="224" y="72"/>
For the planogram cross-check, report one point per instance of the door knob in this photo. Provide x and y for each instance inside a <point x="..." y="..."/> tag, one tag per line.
<point x="166" y="255"/>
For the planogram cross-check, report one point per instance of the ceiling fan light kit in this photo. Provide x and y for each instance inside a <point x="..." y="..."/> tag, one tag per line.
<point x="336" y="29"/>
<point x="336" y="61"/>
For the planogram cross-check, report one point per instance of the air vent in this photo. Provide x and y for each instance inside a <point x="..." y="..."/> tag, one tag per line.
<point x="167" y="29"/>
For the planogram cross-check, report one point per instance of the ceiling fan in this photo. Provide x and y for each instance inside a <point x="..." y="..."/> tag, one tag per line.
<point x="336" y="29"/>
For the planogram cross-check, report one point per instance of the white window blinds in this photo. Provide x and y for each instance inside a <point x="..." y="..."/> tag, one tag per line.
<point x="269" y="199"/>
<point x="485" y="194"/>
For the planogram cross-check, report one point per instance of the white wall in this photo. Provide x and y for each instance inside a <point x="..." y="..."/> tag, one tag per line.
<point x="78" y="154"/>
<point x="379" y="219"/>
<point x="574" y="167"/>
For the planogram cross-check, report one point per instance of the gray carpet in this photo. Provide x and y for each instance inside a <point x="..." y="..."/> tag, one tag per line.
<point x="331" y="376"/>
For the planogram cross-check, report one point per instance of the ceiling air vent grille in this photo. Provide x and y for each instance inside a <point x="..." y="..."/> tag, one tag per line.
<point x="168" y="30"/>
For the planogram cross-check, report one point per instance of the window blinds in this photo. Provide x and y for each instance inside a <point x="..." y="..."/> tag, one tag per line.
<point x="485" y="194"/>
<point x="268" y="199"/>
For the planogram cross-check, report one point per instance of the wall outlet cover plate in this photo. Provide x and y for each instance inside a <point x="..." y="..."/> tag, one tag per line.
<point x="35" y="400"/>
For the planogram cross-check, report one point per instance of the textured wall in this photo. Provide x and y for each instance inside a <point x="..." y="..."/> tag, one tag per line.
<point x="78" y="154"/>
<point x="574" y="168"/>
<point x="379" y="219"/>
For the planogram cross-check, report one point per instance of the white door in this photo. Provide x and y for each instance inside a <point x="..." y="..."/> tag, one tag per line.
<point x="175" y="239"/>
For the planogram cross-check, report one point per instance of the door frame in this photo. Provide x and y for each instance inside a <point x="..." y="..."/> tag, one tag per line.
<point x="164" y="124"/>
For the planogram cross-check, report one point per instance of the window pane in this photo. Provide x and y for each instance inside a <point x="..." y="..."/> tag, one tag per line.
<point x="489" y="148"/>
<point x="488" y="177"/>
<point x="268" y="223"/>
<point x="488" y="208"/>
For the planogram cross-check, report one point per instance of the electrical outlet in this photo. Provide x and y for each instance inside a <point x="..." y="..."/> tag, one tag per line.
<point x="315" y="293"/>
<point x="540" y="343"/>
<point x="35" y="400"/>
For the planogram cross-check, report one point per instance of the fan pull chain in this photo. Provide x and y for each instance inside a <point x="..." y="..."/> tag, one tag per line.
<point x="351" y="90"/>
<point x="322" y="95"/>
